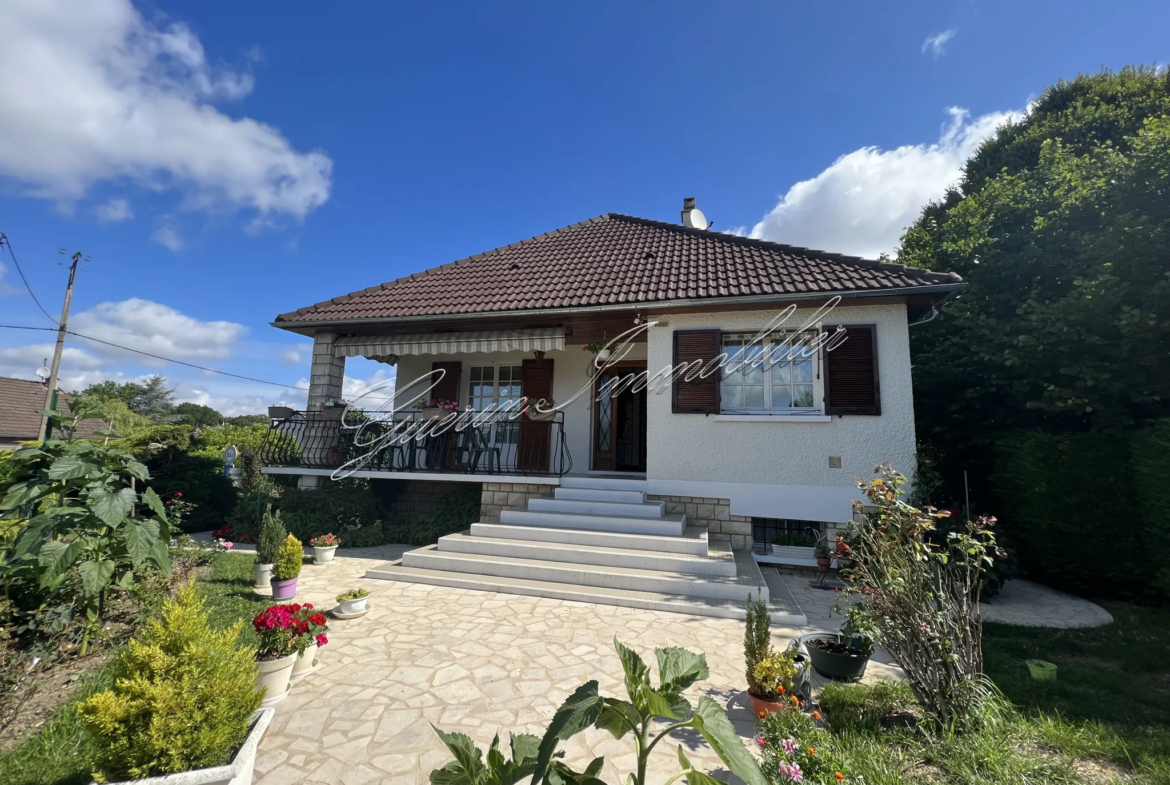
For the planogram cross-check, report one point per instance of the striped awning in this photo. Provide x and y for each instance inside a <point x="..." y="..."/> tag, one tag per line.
<point x="388" y="348"/>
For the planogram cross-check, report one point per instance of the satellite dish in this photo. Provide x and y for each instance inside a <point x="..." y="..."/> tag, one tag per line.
<point x="695" y="219"/>
<point x="43" y="372"/>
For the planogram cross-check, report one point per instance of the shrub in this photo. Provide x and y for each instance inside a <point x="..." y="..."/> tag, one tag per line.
<point x="774" y="676"/>
<point x="182" y="697"/>
<point x="757" y="640"/>
<point x="336" y="506"/>
<point x="795" y="750"/>
<point x="289" y="558"/>
<point x="272" y="534"/>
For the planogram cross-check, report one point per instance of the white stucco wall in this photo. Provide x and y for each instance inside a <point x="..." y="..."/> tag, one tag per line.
<point x="777" y="468"/>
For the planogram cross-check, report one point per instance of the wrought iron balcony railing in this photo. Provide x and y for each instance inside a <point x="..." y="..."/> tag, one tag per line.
<point x="499" y="444"/>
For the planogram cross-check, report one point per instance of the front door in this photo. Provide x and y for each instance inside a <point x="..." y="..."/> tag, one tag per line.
<point x="619" y="420"/>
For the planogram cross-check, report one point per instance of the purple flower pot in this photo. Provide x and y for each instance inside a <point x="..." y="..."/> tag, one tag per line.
<point x="284" y="590"/>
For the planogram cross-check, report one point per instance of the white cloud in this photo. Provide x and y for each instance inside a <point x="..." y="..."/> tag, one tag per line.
<point x="863" y="202"/>
<point x="93" y="92"/>
<point x="290" y="356"/>
<point x="5" y="287"/>
<point x="156" y="328"/>
<point x="937" y="44"/>
<point x="166" y="236"/>
<point x="374" y="392"/>
<point x="79" y="368"/>
<point x="232" y="398"/>
<point x="113" y="211"/>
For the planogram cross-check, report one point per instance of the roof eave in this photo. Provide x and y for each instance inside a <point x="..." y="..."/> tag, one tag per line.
<point x="941" y="289"/>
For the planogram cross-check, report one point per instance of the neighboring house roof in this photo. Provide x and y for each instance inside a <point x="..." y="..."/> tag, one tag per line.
<point x="614" y="260"/>
<point x="21" y="402"/>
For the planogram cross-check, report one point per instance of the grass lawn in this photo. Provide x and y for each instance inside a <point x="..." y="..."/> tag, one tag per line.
<point x="56" y="755"/>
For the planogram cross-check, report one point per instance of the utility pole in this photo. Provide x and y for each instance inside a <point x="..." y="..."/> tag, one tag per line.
<point x="51" y="395"/>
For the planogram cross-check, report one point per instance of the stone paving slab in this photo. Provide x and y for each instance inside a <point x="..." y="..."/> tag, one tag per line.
<point x="476" y="662"/>
<point x="1026" y="604"/>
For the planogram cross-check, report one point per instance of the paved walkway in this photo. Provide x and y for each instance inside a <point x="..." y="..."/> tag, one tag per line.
<point x="475" y="662"/>
<point x="1025" y="604"/>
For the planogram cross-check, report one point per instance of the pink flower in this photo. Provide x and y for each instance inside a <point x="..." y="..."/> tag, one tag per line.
<point x="760" y="739"/>
<point x="789" y="746"/>
<point x="322" y="640"/>
<point x="227" y="545"/>
<point x="791" y="771"/>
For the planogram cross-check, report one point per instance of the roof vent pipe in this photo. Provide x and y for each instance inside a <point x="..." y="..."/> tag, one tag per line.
<point x="692" y="216"/>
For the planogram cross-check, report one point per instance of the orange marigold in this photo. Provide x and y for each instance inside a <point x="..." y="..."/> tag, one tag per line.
<point x="762" y="714"/>
<point x="812" y="751"/>
<point x="840" y="777"/>
<point x="816" y="715"/>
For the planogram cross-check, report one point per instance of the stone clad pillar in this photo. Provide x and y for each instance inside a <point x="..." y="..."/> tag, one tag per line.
<point x="325" y="381"/>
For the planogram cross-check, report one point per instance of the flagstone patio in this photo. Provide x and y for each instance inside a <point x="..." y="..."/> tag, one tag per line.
<point x="475" y="662"/>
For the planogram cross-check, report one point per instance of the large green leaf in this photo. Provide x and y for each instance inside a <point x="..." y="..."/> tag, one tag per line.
<point x="694" y="777"/>
<point x="679" y="668"/>
<point x="525" y="747"/>
<point x="95" y="576"/>
<point x="160" y="554"/>
<point x="578" y="712"/>
<point x="140" y="538"/>
<point x="136" y="469"/>
<point x="560" y="774"/>
<point x="55" y="556"/>
<point x="111" y="506"/>
<point x="712" y="722"/>
<point x="70" y="467"/>
<point x="637" y="674"/>
<point x="154" y="503"/>
<point x="467" y="768"/>
<point x="618" y="717"/>
<point x="21" y="493"/>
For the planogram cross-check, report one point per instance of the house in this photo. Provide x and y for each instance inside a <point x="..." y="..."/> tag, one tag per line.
<point x="21" y="402"/>
<point x="649" y="494"/>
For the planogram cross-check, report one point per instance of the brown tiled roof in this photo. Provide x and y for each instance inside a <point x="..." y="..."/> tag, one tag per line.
<point x="21" y="402"/>
<point x="615" y="259"/>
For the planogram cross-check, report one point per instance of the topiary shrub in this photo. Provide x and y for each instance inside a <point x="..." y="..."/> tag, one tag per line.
<point x="289" y="558"/>
<point x="182" y="698"/>
<point x="272" y="534"/>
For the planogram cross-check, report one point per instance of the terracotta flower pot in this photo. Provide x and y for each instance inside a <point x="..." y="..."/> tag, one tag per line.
<point x="767" y="707"/>
<point x="284" y="590"/>
<point x="823" y="563"/>
<point x="273" y="676"/>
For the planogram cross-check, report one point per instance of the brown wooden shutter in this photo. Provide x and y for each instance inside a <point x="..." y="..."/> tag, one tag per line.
<point x="851" y="372"/>
<point x="535" y="438"/>
<point x="447" y="388"/>
<point x="700" y="395"/>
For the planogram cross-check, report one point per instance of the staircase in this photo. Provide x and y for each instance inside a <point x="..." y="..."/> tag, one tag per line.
<point x="599" y="540"/>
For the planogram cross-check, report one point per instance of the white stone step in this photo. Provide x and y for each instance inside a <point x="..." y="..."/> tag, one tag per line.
<point x="603" y="483"/>
<point x="720" y="563"/>
<point x="787" y="614"/>
<point x="693" y="541"/>
<point x="596" y="495"/>
<point x="616" y="509"/>
<point x="627" y="578"/>
<point x="671" y="525"/>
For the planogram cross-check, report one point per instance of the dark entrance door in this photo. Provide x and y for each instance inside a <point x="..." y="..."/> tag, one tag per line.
<point x="619" y="436"/>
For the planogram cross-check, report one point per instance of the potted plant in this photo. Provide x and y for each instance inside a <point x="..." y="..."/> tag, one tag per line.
<point x="599" y="348"/>
<point x="772" y="681"/>
<point x="179" y="666"/>
<point x="539" y="409"/>
<point x="324" y="547"/>
<point x="280" y="642"/>
<point x="1041" y="670"/>
<point x="333" y="408"/>
<point x="436" y="407"/>
<point x="272" y="534"/>
<point x="844" y="554"/>
<point x="823" y="556"/>
<point x="311" y="628"/>
<point x="353" y="602"/>
<point x="287" y="567"/>
<point x="792" y="546"/>
<point x="281" y="412"/>
<point x="843" y="656"/>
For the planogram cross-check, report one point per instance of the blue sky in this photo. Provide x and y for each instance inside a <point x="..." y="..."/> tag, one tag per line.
<point x="224" y="162"/>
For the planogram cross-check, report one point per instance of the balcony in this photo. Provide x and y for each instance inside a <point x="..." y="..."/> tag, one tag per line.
<point x="499" y="444"/>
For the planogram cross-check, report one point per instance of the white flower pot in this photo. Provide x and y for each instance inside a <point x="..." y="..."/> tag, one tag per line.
<point x="604" y="354"/>
<point x="323" y="555"/>
<point x="238" y="772"/>
<point x="262" y="577"/>
<point x="307" y="661"/>
<point x="795" y="552"/>
<point x="274" y="675"/>
<point x="430" y="414"/>
<point x="350" y="607"/>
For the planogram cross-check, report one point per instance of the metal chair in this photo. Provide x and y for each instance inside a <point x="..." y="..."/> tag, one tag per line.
<point x="476" y="445"/>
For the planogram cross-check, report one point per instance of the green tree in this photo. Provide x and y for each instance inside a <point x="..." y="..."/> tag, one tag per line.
<point x="197" y="415"/>
<point x="1061" y="227"/>
<point x="151" y="399"/>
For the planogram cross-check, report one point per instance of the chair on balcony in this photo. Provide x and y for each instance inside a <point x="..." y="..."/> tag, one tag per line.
<point x="476" y="446"/>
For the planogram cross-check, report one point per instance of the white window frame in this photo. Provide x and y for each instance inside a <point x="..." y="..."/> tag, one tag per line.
<point x="771" y="351"/>
<point x="480" y="402"/>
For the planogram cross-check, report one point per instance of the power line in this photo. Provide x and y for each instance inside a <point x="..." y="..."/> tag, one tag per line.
<point x="8" y="243"/>
<point x="177" y="362"/>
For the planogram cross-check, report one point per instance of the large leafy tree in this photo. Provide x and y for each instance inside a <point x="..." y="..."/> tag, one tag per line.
<point x="1061" y="227"/>
<point x="151" y="399"/>
<point x="197" y="415"/>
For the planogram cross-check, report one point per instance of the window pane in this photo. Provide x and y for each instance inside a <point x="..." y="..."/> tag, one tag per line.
<point x="780" y="373"/>
<point x="732" y="396"/>
<point x="781" y="397"/>
<point x="802" y="371"/>
<point x="475" y="374"/>
<point x="753" y="369"/>
<point x="803" y="395"/>
<point x="753" y="396"/>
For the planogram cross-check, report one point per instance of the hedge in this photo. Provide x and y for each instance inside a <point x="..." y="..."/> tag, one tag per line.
<point x="1085" y="510"/>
